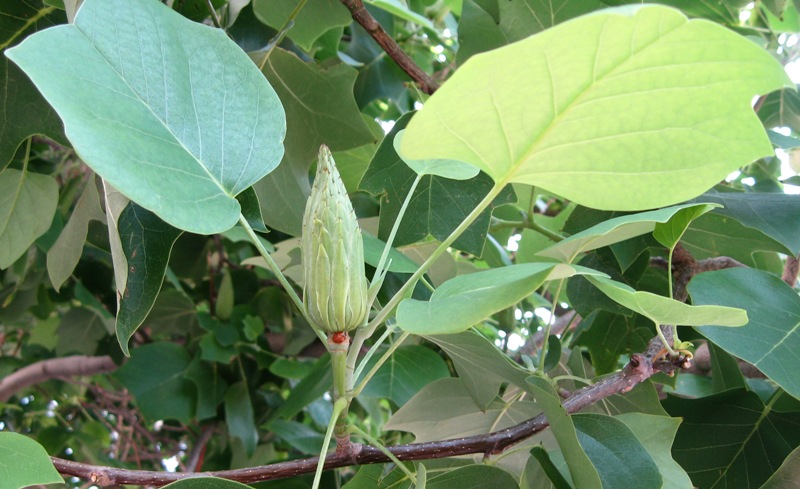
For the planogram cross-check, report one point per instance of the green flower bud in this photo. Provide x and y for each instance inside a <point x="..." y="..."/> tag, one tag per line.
<point x="335" y="285"/>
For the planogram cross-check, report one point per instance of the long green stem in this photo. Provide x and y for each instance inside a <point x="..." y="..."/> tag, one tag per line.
<point x="375" y="443"/>
<point x="278" y="274"/>
<point x="338" y="407"/>
<point x="367" y="331"/>
<point x="338" y="350"/>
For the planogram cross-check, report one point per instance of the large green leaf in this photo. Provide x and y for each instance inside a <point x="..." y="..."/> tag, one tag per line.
<point x="438" y="204"/>
<point x="481" y="366"/>
<point x="320" y="109"/>
<point x="612" y="231"/>
<point x="409" y="369"/>
<point x="23" y="111"/>
<point x="555" y="121"/>
<point x="584" y="473"/>
<point x="23" y="462"/>
<point x="771" y="339"/>
<point x="27" y="204"/>
<point x="664" y="310"/>
<point x="733" y="439"/>
<point x="147" y="242"/>
<point x="157" y="100"/>
<point x="463" y="301"/>
<point x="155" y="376"/>
<point x="656" y="434"/>
<point x="775" y="214"/>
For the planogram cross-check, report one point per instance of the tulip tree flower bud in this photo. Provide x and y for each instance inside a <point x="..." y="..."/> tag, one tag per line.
<point x="335" y="288"/>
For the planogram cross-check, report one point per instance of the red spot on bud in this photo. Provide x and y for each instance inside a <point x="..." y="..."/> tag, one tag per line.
<point x="339" y="337"/>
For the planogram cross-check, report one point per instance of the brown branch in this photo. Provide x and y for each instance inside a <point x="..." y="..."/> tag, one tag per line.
<point x="55" y="368"/>
<point x="390" y="46"/>
<point x="790" y="270"/>
<point x="640" y="368"/>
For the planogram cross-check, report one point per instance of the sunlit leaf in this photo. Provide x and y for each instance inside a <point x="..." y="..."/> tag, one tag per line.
<point x="612" y="231"/>
<point x="463" y="301"/>
<point x="554" y="120"/>
<point x="664" y="310"/>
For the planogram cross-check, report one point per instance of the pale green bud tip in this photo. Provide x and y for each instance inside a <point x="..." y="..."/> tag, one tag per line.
<point x="335" y="285"/>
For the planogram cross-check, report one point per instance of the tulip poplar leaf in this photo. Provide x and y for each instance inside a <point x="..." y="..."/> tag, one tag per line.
<point x="171" y="113"/>
<point x="555" y="122"/>
<point x="612" y="231"/>
<point x="465" y="300"/>
<point x="664" y="310"/>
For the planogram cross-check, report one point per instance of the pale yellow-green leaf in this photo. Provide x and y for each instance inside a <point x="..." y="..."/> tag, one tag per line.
<point x="623" y="109"/>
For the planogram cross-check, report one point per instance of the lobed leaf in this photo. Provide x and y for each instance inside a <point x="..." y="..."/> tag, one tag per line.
<point x="555" y="121"/>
